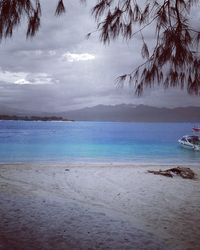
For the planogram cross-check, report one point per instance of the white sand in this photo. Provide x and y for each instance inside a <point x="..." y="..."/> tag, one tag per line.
<point x="97" y="207"/>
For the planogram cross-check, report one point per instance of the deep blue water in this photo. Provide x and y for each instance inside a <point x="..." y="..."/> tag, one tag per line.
<point x="22" y="141"/>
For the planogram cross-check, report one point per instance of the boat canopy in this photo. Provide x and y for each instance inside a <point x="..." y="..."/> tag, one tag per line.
<point x="196" y="129"/>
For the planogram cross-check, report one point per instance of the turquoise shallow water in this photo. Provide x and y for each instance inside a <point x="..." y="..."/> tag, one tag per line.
<point x="22" y="141"/>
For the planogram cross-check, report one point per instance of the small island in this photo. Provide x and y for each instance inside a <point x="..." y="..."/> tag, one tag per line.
<point x="33" y="118"/>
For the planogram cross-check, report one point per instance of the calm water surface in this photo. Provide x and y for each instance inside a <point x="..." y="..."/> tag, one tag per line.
<point x="22" y="141"/>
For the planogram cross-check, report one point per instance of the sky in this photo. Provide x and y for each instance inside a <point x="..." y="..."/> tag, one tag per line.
<point x="60" y="69"/>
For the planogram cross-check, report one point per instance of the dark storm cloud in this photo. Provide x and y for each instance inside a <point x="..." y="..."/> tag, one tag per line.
<point x="60" y="69"/>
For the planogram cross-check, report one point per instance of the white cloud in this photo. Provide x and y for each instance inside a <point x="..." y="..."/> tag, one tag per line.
<point x="12" y="77"/>
<point x="23" y="78"/>
<point x="73" y="57"/>
<point x="22" y="81"/>
<point x="41" y="78"/>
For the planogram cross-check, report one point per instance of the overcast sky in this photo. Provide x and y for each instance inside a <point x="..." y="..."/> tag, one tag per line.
<point x="59" y="69"/>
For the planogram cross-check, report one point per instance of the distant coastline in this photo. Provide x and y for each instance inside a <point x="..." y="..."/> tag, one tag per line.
<point x="108" y="113"/>
<point x="32" y="118"/>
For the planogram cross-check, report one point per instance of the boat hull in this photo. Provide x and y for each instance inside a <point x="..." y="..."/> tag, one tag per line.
<point x="189" y="146"/>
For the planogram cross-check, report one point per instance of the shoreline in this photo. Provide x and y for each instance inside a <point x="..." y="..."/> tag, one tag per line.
<point x="98" y="163"/>
<point x="75" y="207"/>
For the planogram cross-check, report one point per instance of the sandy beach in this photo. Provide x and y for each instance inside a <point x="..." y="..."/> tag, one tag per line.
<point x="97" y="206"/>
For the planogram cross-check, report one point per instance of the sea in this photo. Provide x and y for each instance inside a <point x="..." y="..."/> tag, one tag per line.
<point x="94" y="142"/>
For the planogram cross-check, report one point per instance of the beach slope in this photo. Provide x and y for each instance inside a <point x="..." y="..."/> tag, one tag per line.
<point x="97" y="206"/>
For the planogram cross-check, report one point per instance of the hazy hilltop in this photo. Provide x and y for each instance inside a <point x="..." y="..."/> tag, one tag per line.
<point x="121" y="112"/>
<point x="4" y="110"/>
<point x="140" y="113"/>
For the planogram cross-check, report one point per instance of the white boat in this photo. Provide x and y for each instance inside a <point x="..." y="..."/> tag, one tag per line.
<point x="190" y="142"/>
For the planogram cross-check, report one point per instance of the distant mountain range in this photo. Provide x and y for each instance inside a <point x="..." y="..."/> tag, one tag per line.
<point x="121" y="112"/>
<point x="132" y="113"/>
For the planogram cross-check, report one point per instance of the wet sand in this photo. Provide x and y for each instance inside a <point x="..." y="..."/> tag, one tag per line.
<point x="99" y="206"/>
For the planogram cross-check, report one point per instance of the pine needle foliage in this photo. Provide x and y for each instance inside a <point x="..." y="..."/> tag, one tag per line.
<point x="13" y="11"/>
<point x="174" y="60"/>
